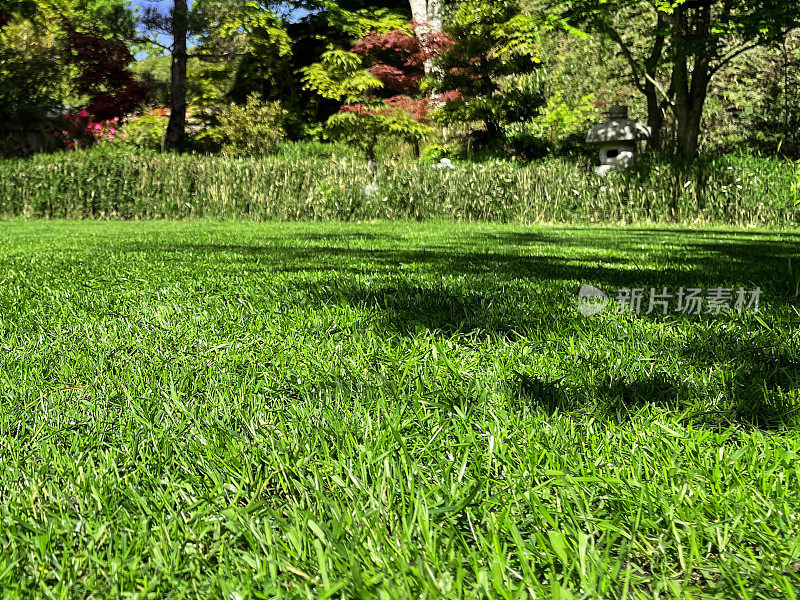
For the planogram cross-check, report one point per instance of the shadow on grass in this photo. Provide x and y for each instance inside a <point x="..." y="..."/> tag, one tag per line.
<point x="682" y="258"/>
<point x="750" y="401"/>
<point x="508" y="292"/>
<point x="610" y="396"/>
<point x="755" y="255"/>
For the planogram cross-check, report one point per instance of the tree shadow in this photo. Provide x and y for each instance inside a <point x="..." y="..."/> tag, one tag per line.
<point x="746" y="263"/>
<point x="750" y="401"/>
<point x="611" y="397"/>
<point x="511" y="293"/>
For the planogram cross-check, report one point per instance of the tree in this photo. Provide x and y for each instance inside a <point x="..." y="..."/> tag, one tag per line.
<point x="754" y="102"/>
<point x="228" y="37"/>
<point x="33" y="79"/>
<point x="246" y="49"/>
<point x="175" y="24"/>
<point x="154" y="72"/>
<point x="9" y="9"/>
<point x="489" y="74"/>
<point x="379" y="79"/>
<point x="259" y="47"/>
<point x="38" y="79"/>
<point x="427" y="15"/>
<point x="103" y="73"/>
<point x="176" y="128"/>
<point x="674" y="48"/>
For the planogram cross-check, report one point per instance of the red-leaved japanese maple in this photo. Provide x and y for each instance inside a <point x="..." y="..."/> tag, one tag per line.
<point x="104" y="75"/>
<point x="398" y="60"/>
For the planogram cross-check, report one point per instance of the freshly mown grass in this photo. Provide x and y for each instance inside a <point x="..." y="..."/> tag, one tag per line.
<point x="112" y="184"/>
<point x="245" y="410"/>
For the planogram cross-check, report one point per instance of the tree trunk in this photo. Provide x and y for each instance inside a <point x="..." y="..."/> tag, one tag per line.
<point x="691" y="91"/>
<point x="427" y="14"/>
<point x="688" y="134"/>
<point x="435" y="15"/>
<point x="176" y="129"/>
<point x="655" y="118"/>
<point x="690" y="117"/>
<point x="493" y="131"/>
<point x="645" y="76"/>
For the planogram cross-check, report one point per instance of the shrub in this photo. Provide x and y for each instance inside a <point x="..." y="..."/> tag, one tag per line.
<point x="254" y="129"/>
<point x="434" y="153"/>
<point x="311" y="150"/>
<point x="525" y="140"/>
<point x="79" y="131"/>
<point x="101" y="67"/>
<point x="146" y="132"/>
<point x="564" y="123"/>
<point x="366" y="126"/>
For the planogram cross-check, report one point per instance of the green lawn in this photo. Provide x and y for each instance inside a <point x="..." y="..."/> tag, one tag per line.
<point x="222" y="410"/>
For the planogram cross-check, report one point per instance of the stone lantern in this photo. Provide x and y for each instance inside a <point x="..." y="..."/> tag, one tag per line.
<point x="616" y="138"/>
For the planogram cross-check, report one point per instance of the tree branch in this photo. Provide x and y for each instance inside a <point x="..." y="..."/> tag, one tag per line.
<point x="144" y="40"/>
<point x="733" y="55"/>
<point x="617" y="38"/>
<point x="213" y="56"/>
<point x="667" y="94"/>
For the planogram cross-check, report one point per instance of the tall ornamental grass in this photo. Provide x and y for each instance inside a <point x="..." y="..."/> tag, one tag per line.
<point x="112" y="184"/>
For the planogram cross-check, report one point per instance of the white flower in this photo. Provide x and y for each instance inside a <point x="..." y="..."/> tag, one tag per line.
<point x="445" y="163"/>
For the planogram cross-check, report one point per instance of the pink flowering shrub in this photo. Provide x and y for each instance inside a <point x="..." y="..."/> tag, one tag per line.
<point x="81" y="131"/>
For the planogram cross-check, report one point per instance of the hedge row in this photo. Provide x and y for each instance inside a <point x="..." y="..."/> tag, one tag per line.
<point x="111" y="184"/>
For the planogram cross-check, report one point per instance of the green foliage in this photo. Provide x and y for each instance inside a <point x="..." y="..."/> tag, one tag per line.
<point x="33" y="81"/>
<point x="251" y="130"/>
<point x="363" y="128"/>
<point x="563" y="122"/>
<point x="154" y="71"/>
<point x="434" y="153"/>
<point x="367" y="118"/>
<point x="796" y="183"/>
<point x="511" y="62"/>
<point x="527" y="141"/>
<point x="145" y="132"/>
<point x="340" y="75"/>
<point x="680" y="47"/>
<point x="581" y="76"/>
<point x="245" y="48"/>
<point x="357" y="24"/>
<point x="113" y="184"/>
<point x="249" y="25"/>
<point x="306" y="152"/>
<point x="755" y="103"/>
<point x="11" y="9"/>
<point x="257" y="47"/>
<point x="518" y="36"/>
<point x="492" y="65"/>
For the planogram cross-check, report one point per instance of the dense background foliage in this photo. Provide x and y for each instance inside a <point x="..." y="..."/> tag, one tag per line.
<point x="517" y="78"/>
